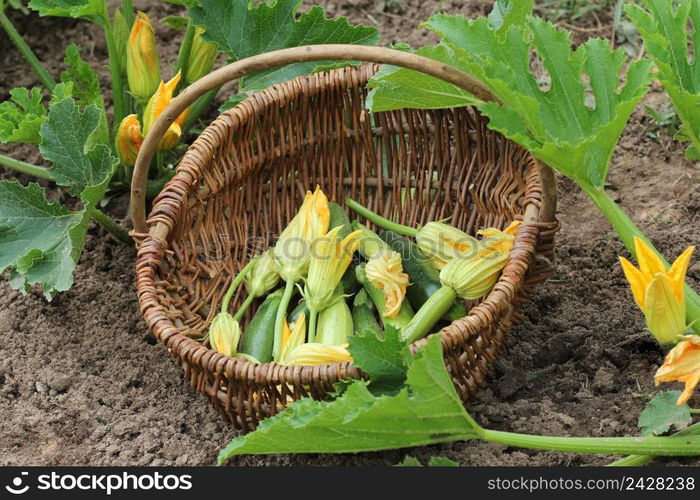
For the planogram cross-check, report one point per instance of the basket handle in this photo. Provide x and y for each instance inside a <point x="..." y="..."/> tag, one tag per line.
<point x="254" y="64"/>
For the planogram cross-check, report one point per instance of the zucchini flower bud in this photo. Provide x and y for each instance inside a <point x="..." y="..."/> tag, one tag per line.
<point x="442" y="242"/>
<point x="318" y="354"/>
<point x="658" y="292"/>
<point x="330" y="257"/>
<point x="385" y="271"/>
<point x="202" y="57"/>
<point x="682" y="364"/>
<point x="292" y="337"/>
<point x="292" y="250"/>
<point x="472" y="278"/>
<point x="142" y="66"/>
<point x="334" y="324"/>
<point x="128" y="140"/>
<point x="156" y="105"/>
<point x="263" y="276"/>
<point x="224" y="334"/>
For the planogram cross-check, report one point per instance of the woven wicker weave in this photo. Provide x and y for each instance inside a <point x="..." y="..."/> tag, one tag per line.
<point x="245" y="176"/>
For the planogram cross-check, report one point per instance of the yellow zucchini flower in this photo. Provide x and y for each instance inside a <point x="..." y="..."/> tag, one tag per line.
<point x="156" y="105"/>
<point x="202" y="57"/>
<point x="474" y="277"/>
<point x="318" y="354"/>
<point x="658" y="292"/>
<point x="293" y="248"/>
<point x="682" y="364"/>
<point x="292" y="337"/>
<point x="224" y="334"/>
<point x="263" y="276"/>
<point x="330" y="257"/>
<point x="128" y="140"/>
<point x="442" y="242"/>
<point x="385" y="271"/>
<point x="142" y="66"/>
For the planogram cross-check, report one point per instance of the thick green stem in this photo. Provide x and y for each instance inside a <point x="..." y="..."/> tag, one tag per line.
<point x="183" y="56"/>
<point x="110" y="226"/>
<point x="244" y="307"/>
<point x="627" y="230"/>
<point x="313" y="321"/>
<point x="25" y="168"/>
<point x="638" y="460"/>
<point x="429" y="314"/>
<point x="280" y="318"/>
<point x="237" y="280"/>
<point x="660" y="446"/>
<point x="379" y="220"/>
<point x="39" y="69"/>
<point x="118" y="94"/>
<point x="196" y="110"/>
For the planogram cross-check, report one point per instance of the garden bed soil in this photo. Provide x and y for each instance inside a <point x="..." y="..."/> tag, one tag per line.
<point x="83" y="381"/>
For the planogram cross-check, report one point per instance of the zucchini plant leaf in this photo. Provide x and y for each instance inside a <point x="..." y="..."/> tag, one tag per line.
<point x="87" y="9"/>
<point x="569" y="124"/>
<point x="243" y="29"/>
<point x="661" y="413"/>
<point x="40" y="242"/>
<point x="358" y="421"/>
<point x="21" y="116"/>
<point x="69" y="141"/>
<point x="664" y="29"/>
<point x="385" y="360"/>
<point x="86" y="84"/>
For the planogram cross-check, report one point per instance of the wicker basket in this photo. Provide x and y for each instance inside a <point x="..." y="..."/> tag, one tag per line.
<point x="244" y="177"/>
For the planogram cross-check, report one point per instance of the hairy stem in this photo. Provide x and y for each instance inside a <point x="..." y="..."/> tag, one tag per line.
<point x="118" y="94"/>
<point x="237" y="280"/>
<point x="280" y="318"/>
<point x="379" y="220"/>
<point x="26" y="168"/>
<point x="110" y="225"/>
<point x="183" y="56"/>
<point x="39" y="69"/>
<point x="637" y="460"/>
<point x="244" y="307"/>
<point x="627" y="230"/>
<point x="313" y="321"/>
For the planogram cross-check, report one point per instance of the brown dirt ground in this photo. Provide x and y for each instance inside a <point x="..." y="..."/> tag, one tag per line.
<point x="82" y="381"/>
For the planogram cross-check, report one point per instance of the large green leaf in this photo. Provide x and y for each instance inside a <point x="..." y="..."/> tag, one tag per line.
<point x="69" y="142"/>
<point x="664" y="30"/>
<point x="569" y="125"/>
<point x="243" y="29"/>
<point x="40" y="242"/>
<point x="661" y="413"/>
<point x="385" y="360"/>
<point x="87" y="9"/>
<point x="22" y="116"/>
<point x="427" y="410"/>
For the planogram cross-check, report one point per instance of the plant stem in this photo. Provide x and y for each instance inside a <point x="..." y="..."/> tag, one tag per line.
<point x="118" y="95"/>
<point x="379" y="220"/>
<point x="26" y="168"/>
<point x="429" y="314"/>
<point x="183" y="56"/>
<point x="666" y="446"/>
<point x="637" y="460"/>
<point x="244" y="307"/>
<point x="313" y="320"/>
<point x="128" y="10"/>
<point x="627" y="230"/>
<point x="196" y="110"/>
<point x="237" y="280"/>
<point x="110" y="226"/>
<point x="39" y="69"/>
<point x="280" y="318"/>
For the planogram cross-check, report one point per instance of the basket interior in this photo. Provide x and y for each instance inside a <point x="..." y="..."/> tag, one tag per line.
<point x="252" y="166"/>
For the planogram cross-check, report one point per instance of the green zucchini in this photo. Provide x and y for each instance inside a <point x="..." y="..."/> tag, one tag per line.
<point x="260" y="335"/>
<point x="363" y="318"/>
<point x="300" y="308"/>
<point x="340" y="218"/>
<point x="424" y="278"/>
<point x="379" y="299"/>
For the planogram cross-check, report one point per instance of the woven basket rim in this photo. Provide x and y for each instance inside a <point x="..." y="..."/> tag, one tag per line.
<point x="152" y="248"/>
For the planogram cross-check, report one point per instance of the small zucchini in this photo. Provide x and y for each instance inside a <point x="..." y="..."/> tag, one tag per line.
<point x="340" y="218"/>
<point x="424" y="278"/>
<point x="363" y="318"/>
<point x="260" y="335"/>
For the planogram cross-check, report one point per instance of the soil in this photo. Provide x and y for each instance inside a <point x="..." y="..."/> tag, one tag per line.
<point x="83" y="381"/>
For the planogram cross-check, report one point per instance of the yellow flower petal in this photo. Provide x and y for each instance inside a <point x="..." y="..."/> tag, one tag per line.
<point x="636" y="280"/>
<point x="385" y="271"/>
<point x="682" y="364"/>
<point x="292" y="337"/>
<point x="649" y="262"/>
<point x="665" y="315"/>
<point x="318" y="354"/>
<point x="678" y="270"/>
